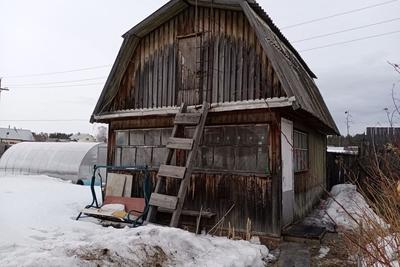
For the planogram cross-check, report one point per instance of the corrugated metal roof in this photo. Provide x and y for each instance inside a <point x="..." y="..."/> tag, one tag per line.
<point x="16" y="134"/>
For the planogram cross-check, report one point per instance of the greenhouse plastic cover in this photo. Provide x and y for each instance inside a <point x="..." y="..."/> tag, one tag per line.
<point x="68" y="161"/>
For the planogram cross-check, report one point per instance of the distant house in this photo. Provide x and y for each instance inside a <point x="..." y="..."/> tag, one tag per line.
<point x="13" y="136"/>
<point x="82" y="137"/>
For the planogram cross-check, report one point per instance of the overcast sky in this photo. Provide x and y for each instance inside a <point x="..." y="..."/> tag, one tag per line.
<point x="45" y="36"/>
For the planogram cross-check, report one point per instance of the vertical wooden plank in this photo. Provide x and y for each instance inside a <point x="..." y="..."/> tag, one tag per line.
<point x="216" y="57"/>
<point x="171" y="62"/>
<point x="246" y="61"/>
<point x="270" y="75"/>
<point x="264" y="67"/>
<point x="138" y="75"/>
<point x="233" y="89"/>
<point x="228" y="55"/>
<point x="152" y="58"/>
<point x="181" y="24"/>
<point x="156" y="74"/>
<point x="206" y="58"/>
<point x="222" y="50"/>
<point x="164" y="85"/>
<point x="146" y="74"/>
<point x="275" y="84"/>
<point x="142" y="73"/>
<point x="239" y="73"/>
<point x="160" y="89"/>
<point x="251" y="78"/>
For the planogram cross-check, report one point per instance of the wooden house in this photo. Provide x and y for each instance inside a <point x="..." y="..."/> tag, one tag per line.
<point x="264" y="144"/>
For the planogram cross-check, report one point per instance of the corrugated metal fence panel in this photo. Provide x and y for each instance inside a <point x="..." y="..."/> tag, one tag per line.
<point x="383" y="135"/>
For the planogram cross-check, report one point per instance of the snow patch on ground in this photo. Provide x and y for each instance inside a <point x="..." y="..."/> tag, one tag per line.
<point x="323" y="251"/>
<point x="38" y="228"/>
<point x="334" y="212"/>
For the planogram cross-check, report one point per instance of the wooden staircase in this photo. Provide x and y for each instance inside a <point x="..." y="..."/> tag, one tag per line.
<point x="175" y="203"/>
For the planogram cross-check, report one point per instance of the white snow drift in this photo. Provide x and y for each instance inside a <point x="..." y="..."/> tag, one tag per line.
<point x="37" y="228"/>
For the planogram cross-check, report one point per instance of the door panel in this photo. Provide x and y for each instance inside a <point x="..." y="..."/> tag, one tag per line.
<point x="287" y="172"/>
<point x="189" y="70"/>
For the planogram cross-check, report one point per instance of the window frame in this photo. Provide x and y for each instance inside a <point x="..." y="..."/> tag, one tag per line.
<point x="299" y="148"/>
<point x="261" y="147"/>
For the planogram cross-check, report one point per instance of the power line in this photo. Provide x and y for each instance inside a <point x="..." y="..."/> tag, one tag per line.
<point x="346" y="30"/>
<point x="349" y="41"/>
<point x="57" y="72"/>
<point x="338" y="14"/>
<point x="70" y="81"/>
<point x="59" y="86"/>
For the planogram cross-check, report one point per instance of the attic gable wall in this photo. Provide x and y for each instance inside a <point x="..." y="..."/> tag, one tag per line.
<point x="232" y="64"/>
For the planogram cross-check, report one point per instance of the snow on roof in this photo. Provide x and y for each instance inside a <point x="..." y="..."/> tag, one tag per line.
<point x="16" y="134"/>
<point x="69" y="160"/>
<point x="351" y="150"/>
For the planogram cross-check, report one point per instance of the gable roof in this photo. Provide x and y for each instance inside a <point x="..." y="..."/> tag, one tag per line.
<point x="15" y="134"/>
<point x="294" y="74"/>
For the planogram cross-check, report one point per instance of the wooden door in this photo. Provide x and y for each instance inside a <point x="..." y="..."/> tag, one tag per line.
<point x="188" y="73"/>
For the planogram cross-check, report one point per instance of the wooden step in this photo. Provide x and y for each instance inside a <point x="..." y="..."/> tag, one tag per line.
<point x="163" y="201"/>
<point x="188" y="118"/>
<point x="171" y="171"/>
<point x="180" y="143"/>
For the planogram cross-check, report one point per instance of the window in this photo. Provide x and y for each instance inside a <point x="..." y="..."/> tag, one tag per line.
<point x="141" y="147"/>
<point x="223" y="148"/>
<point x="300" y="151"/>
<point x="234" y="148"/>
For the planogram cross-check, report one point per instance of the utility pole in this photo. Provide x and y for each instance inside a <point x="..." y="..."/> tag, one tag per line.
<point x="348" y="121"/>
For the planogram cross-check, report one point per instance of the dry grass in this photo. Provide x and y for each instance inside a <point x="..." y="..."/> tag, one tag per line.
<point x="376" y="242"/>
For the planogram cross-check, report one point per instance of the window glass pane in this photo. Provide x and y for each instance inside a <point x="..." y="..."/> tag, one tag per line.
<point x="159" y="156"/>
<point x="246" y="158"/>
<point x="165" y="135"/>
<point x="262" y="134"/>
<point x="136" y="138"/>
<point x="300" y="151"/>
<point x="152" y="137"/>
<point x="229" y="137"/>
<point x="117" y="159"/>
<point x="213" y="136"/>
<point x="128" y="156"/>
<point x="262" y="159"/>
<point x="143" y="155"/>
<point x="224" y="157"/>
<point x="206" y="158"/>
<point x="122" y="138"/>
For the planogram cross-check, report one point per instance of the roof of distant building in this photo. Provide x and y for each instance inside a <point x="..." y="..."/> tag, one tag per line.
<point x="16" y="134"/>
<point x="351" y="150"/>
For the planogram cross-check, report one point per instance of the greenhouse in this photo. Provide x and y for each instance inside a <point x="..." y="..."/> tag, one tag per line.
<point x="68" y="161"/>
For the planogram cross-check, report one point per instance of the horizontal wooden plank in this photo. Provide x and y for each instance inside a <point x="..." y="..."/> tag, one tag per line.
<point x="163" y="201"/>
<point x="187" y="118"/>
<point x="180" y="143"/>
<point x="171" y="171"/>
<point x="192" y="213"/>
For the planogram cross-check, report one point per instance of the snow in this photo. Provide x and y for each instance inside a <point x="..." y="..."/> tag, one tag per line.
<point x="323" y="251"/>
<point x="38" y="228"/>
<point x="346" y="209"/>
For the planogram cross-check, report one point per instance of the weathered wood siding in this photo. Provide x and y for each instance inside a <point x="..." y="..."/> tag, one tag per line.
<point x="256" y="196"/>
<point x="227" y="63"/>
<point x="309" y="185"/>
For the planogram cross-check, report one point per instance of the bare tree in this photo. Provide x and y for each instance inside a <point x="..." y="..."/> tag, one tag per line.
<point x="396" y="109"/>
<point x="390" y="116"/>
